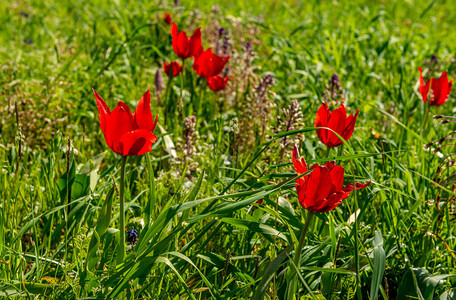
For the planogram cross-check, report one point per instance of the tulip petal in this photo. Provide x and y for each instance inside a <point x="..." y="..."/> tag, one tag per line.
<point x="119" y="122"/>
<point x="194" y="45"/>
<point x="208" y="64"/>
<point x="218" y="64"/>
<point x="334" y="200"/>
<point x="103" y="115"/>
<point x="137" y="142"/>
<point x="103" y="111"/>
<point x="172" y="69"/>
<point x="217" y="82"/>
<point x="424" y="88"/>
<point x="350" y="126"/>
<point x="174" y="30"/>
<point x="337" y="177"/>
<point x="358" y="186"/>
<point x="299" y="164"/>
<point x="298" y="187"/>
<point x="318" y="186"/>
<point x="174" y="35"/>
<point x="336" y="123"/>
<point x="143" y="114"/>
<point x="182" y="45"/>
<point x="441" y="89"/>
<point x="321" y="120"/>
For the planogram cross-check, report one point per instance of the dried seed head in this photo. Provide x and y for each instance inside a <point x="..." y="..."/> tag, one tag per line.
<point x="159" y="86"/>
<point x="226" y="46"/>
<point x="265" y="83"/>
<point x="226" y="72"/>
<point x="268" y="80"/>
<point x="234" y="125"/>
<point x="215" y="9"/>
<point x="445" y="172"/>
<point x="190" y="137"/>
<point x="291" y="120"/>
<point x="189" y="123"/>
<point x="428" y="145"/>
<point x="248" y="54"/>
<point x="334" y="79"/>
<point x="334" y="91"/>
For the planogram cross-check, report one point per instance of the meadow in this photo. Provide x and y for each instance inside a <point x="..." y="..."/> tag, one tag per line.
<point x="215" y="201"/>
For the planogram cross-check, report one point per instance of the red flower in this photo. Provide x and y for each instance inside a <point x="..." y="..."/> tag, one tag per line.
<point x="322" y="190"/>
<point x="260" y="202"/>
<point x="167" y="18"/>
<point x="217" y="83"/>
<point x="174" y="66"/>
<point x="185" y="47"/>
<point x="127" y="134"/>
<point x="440" y="89"/>
<point x="208" y="64"/>
<point x="337" y="121"/>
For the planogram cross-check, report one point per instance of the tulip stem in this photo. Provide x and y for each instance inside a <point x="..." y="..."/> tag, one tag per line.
<point x="426" y="117"/>
<point x="327" y="151"/>
<point x="121" y="252"/>
<point x="182" y="83"/>
<point x="297" y="258"/>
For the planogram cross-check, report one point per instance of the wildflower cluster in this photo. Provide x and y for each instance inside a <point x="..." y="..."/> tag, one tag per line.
<point x="206" y="64"/>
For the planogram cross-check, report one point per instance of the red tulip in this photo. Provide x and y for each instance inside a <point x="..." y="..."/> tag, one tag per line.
<point x="185" y="47"/>
<point x="167" y="18"/>
<point x="208" y="64"/>
<point x="322" y="190"/>
<point x="440" y="89"/>
<point x="217" y="83"/>
<point x="127" y="134"/>
<point x="337" y="121"/>
<point x="174" y="66"/>
<point x="260" y="202"/>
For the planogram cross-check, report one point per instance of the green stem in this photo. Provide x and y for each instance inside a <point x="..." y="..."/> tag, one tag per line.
<point x="341" y="150"/>
<point x="121" y="253"/>
<point x="200" y="101"/>
<point x="327" y="151"/>
<point x="191" y="106"/>
<point x="426" y="117"/>
<point x="151" y="203"/>
<point x="167" y="101"/>
<point x="297" y="258"/>
<point x="182" y="83"/>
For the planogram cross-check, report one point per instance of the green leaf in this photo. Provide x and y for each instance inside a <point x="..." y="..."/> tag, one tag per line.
<point x="151" y="203"/>
<point x="167" y="262"/>
<point x="102" y="225"/>
<point x="269" y="274"/>
<point x="449" y="295"/>
<point x="379" y="265"/>
<point x="66" y="181"/>
<point x="255" y="227"/>
<point x="424" y="287"/>
<point x="207" y="282"/>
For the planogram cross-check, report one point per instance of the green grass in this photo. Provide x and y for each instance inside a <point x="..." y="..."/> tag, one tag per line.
<point x="202" y="233"/>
